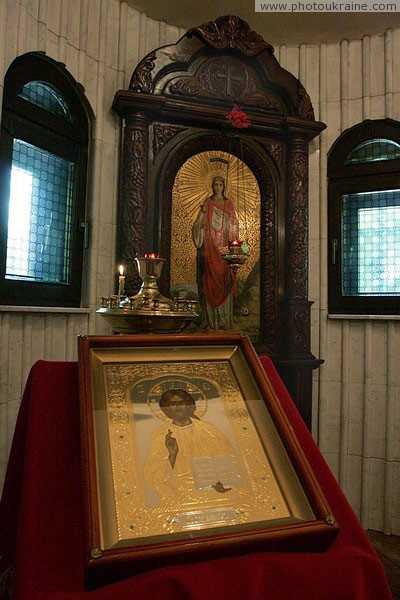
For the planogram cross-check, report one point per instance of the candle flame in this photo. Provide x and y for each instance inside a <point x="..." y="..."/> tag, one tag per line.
<point x="121" y="269"/>
<point x="151" y="255"/>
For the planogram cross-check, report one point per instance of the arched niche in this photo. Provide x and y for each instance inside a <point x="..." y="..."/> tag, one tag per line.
<point x="191" y="188"/>
<point x="176" y="108"/>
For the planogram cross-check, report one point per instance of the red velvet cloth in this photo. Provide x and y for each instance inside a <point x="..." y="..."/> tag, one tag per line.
<point x="41" y="521"/>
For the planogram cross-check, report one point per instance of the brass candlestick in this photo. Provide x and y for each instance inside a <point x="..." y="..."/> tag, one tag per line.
<point x="148" y="311"/>
<point x="149" y="296"/>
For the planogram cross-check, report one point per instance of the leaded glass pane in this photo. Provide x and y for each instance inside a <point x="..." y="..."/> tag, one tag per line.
<point x="46" y="96"/>
<point x="371" y="244"/>
<point x="39" y="223"/>
<point x="374" y="150"/>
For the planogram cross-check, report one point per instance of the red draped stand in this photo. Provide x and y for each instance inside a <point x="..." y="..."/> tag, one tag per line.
<point x="41" y="521"/>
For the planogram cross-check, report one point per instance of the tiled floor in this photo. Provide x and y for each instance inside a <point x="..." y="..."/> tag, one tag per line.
<point x="388" y="549"/>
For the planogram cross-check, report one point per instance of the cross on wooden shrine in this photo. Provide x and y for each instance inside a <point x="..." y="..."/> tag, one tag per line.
<point x="230" y="75"/>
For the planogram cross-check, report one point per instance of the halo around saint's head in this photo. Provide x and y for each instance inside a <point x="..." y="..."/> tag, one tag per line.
<point x="219" y="169"/>
<point x="170" y="383"/>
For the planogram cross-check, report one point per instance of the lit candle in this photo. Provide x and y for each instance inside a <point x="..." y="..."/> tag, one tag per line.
<point x="121" y="281"/>
<point x="151" y="255"/>
<point x="235" y="243"/>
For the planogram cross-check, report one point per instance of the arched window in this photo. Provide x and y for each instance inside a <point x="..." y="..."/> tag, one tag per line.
<point x="364" y="219"/>
<point x="44" y="139"/>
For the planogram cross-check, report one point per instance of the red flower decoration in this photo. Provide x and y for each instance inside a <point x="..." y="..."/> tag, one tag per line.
<point x="237" y="118"/>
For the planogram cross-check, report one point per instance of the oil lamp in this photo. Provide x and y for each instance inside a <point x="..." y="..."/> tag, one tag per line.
<point x="234" y="254"/>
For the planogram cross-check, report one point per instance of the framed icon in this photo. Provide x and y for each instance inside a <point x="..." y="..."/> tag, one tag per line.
<point x="188" y="455"/>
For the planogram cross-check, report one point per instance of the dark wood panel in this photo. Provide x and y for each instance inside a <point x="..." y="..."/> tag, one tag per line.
<point x="176" y="107"/>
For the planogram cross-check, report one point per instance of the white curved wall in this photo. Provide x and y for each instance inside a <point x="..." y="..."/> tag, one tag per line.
<point x="356" y="391"/>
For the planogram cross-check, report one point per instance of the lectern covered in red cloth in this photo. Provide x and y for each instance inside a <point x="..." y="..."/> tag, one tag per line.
<point x="42" y="513"/>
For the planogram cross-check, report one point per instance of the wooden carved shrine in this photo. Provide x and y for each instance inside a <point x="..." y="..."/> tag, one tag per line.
<point x="175" y="109"/>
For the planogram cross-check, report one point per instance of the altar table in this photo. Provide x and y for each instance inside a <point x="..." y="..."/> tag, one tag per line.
<point x="41" y="519"/>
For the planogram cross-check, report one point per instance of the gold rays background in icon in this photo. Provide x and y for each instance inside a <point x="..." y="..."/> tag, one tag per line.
<point x="191" y="187"/>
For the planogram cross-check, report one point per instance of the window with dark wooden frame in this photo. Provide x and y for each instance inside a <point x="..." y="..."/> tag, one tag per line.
<point x="44" y="140"/>
<point x="364" y="220"/>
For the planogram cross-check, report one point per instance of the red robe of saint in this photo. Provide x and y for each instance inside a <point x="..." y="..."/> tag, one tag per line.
<point x="220" y="226"/>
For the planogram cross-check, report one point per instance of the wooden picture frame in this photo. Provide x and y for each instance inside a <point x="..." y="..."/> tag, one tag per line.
<point x="151" y="500"/>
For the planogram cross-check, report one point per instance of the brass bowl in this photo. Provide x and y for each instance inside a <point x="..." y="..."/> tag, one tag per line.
<point x="146" y="321"/>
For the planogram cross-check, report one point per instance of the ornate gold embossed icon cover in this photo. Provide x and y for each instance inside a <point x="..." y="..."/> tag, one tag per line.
<point x="185" y="444"/>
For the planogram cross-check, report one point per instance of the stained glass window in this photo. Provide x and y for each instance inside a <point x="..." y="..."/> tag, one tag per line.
<point x="39" y="222"/>
<point x="371" y="243"/>
<point x="46" y="96"/>
<point x="374" y="150"/>
<point x="364" y="220"/>
<point x="44" y="136"/>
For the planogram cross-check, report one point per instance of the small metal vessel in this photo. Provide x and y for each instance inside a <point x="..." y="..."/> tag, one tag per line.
<point x="148" y="311"/>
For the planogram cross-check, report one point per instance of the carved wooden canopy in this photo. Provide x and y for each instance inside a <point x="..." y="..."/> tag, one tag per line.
<point x="219" y="62"/>
<point x="175" y="107"/>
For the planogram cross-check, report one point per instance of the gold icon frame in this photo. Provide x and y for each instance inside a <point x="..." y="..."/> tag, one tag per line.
<point x="275" y="501"/>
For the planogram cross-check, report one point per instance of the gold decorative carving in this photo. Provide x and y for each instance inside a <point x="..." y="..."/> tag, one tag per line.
<point x="137" y="514"/>
<point x="231" y="32"/>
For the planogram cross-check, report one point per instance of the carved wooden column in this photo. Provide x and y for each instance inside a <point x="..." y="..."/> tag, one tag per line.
<point x="297" y="306"/>
<point x="133" y="197"/>
<point x="298" y="362"/>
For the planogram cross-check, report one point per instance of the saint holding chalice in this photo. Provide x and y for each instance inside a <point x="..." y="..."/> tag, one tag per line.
<point x="215" y="201"/>
<point x="215" y="225"/>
